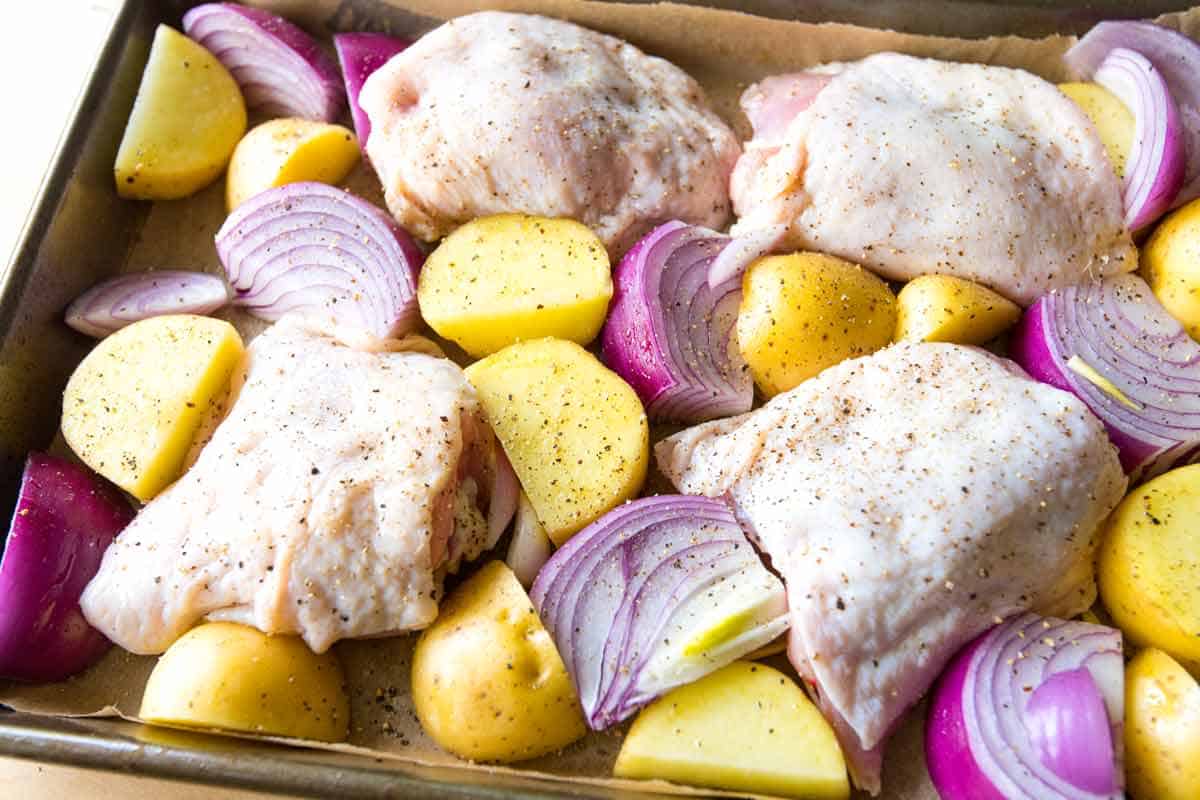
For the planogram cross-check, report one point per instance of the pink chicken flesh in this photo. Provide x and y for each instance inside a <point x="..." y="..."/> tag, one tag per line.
<point x="496" y="112"/>
<point x="328" y="504"/>
<point x="911" y="166"/>
<point x="910" y="499"/>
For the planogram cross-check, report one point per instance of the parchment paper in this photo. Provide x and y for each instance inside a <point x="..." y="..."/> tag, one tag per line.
<point x="725" y="51"/>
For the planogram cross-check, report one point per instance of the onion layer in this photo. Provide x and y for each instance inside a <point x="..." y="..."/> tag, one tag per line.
<point x="360" y="54"/>
<point x="1113" y="345"/>
<point x="111" y="305"/>
<point x="670" y="335"/>
<point x="282" y="71"/>
<point x="1177" y="60"/>
<point x="65" y="519"/>
<point x="1157" y="161"/>
<point x="988" y="734"/>
<point x="655" y="594"/>
<point x="321" y="251"/>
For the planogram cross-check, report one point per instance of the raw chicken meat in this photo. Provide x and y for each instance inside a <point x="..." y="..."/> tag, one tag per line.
<point x="910" y="499"/>
<point x="495" y="112"/>
<point x="341" y="486"/>
<point x="910" y="166"/>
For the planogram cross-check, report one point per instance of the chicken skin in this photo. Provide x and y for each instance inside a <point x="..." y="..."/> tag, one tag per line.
<point x="327" y="504"/>
<point x="910" y="499"/>
<point x="496" y="112"/>
<point x="911" y="166"/>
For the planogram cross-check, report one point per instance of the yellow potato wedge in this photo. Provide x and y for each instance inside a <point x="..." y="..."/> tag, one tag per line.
<point x="1112" y="119"/>
<point x="804" y="312"/>
<point x="744" y="728"/>
<point x="943" y="308"/>
<point x="1170" y="263"/>
<point x="575" y="432"/>
<point x="1162" y="728"/>
<point x="288" y="150"/>
<point x="487" y="681"/>
<point x="1149" y="570"/>
<point x="133" y="406"/>
<point x="513" y="277"/>
<point x="186" y="120"/>
<point x="236" y="678"/>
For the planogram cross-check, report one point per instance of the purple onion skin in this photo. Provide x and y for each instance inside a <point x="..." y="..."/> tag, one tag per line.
<point x="64" y="521"/>
<point x="360" y="54"/>
<point x="627" y="341"/>
<point x="952" y="765"/>
<point x="1029" y="347"/>
<point x="1070" y="703"/>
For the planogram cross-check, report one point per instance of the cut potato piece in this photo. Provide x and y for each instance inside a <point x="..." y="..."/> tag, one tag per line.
<point x="1162" y="728"/>
<point x="1112" y="119"/>
<point x="236" y="678"/>
<point x="186" y="120"/>
<point x="943" y="308"/>
<point x="487" y="682"/>
<point x="576" y="433"/>
<point x="289" y="150"/>
<point x="804" y="312"/>
<point x="1171" y="265"/>
<point x="1150" y="564"/>
<point x="133" y="406"/>
<point x="744" y="728"/>
<point x="513" y="277"/>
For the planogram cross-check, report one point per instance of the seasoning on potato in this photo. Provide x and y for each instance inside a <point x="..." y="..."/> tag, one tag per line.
<point x="237" y="678"/>
<point x="513" y="277"/>
<point x="575" y="432"/>
<point x="487" y="682"/>
<point x="804" y="312"/>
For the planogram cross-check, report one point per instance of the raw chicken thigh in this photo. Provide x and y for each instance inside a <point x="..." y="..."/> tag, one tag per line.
<point x="329" y="502"/>
<point x="910" y="166"/>
<point x="496" y="112"/>
<point x="910" y="499"/>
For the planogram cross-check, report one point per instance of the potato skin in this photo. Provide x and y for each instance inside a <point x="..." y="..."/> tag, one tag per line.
<point x="514" y="277"/>
<point x="487" y="681"/>
<point x="1149" y="568"/>
<point x="1170" y="263"/>
<point x="575" y="432"/>
<point x="804" y="312"/>
<point x="288" y="150"/>
<point x="1162" y="728"/>
<point x="186" y="120"/>
<point x="944" y="308"/>
<point x="237" y="678"/>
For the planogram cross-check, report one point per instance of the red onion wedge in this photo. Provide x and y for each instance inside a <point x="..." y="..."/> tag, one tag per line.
<point x="112" y="304"/>
<point x="670" y="335"/>
<point x="1033" y="709"/>
<point x="1177" y="60"/>
<point x="281" y="69"/>
<point x="655" y="594"/>
<point x="65" y="519"/>
<point x="1157" y="160"/>
<point x="319" y="250"/>
<point x="1113" y="345"/>
<point x="360" y="54"/>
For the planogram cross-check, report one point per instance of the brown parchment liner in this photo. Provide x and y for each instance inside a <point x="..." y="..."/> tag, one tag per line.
<point x="725" y="51"/>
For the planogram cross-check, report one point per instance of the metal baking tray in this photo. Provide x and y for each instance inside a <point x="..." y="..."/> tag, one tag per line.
<point x="80" y="231"/>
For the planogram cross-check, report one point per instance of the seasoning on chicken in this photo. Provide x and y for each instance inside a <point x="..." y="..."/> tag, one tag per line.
<point x="342" y="485"/>
<point x="911" y="166"/>
<point x="910" y="499"/>
<point x="496" y="112"/>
